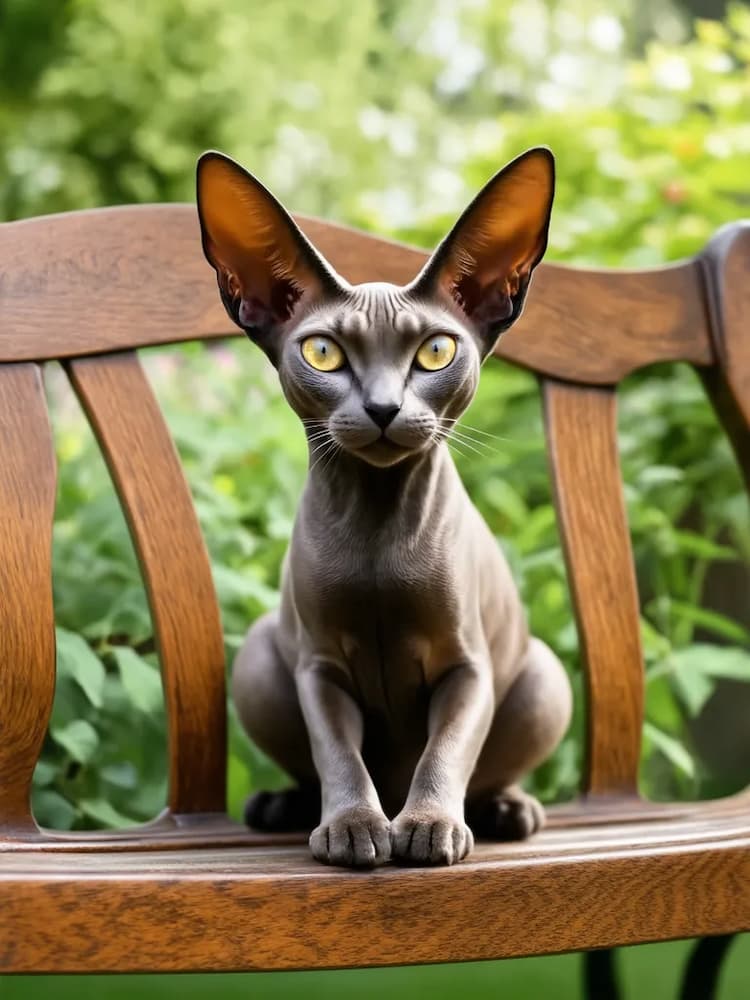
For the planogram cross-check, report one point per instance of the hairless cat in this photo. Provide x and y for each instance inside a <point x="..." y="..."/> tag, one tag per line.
<point x="397" y="683"/>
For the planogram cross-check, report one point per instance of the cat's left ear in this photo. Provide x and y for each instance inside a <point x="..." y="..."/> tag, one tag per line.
<point x="265" y="266"/>
<point x="485" y="263"/>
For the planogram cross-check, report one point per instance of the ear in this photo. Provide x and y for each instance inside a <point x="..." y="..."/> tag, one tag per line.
<point x="265" y="266"/>
<point x="485" y="263"/>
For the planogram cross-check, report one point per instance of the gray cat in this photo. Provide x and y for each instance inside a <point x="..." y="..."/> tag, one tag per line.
<point x="397" y="678"/>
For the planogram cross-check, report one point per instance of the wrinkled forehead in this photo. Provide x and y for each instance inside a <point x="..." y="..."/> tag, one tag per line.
<point x="378" y="313"/>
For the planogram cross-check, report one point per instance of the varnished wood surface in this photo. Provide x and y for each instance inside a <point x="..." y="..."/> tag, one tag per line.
<point x="118" y="278"/>
<point x="27" y="637"/>
<point x="275" y="908"/>
<point x="726" y="267"/>
<point x="194" y="891"/>
<point x="582" y="440"/>
<point x="171" y="832"/>
<point x="136" y="444"/>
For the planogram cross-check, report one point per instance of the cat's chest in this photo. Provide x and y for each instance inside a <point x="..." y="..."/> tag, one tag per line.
<point x="399" y="578"/>
<point x="391" y="607"/>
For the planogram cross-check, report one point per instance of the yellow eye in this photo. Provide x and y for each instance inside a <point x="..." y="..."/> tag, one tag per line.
<point x="323" y="353"/>
<point x="436" y="352"/>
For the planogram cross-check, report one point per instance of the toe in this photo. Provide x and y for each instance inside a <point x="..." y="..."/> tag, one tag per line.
<point x="511" y="816"/>
<point x="255" y="810"/>
<point x="381" y="839"/>
<point x="443" y="843"/>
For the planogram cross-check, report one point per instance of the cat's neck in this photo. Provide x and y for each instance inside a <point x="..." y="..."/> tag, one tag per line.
<point x="348" y="487"/>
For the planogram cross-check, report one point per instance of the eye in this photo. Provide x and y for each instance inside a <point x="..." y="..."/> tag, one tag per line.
<point x="436" y="352"/>
<point x="323" y="354"/>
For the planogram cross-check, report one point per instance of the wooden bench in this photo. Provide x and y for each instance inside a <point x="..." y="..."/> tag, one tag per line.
<point x="194" y="891"/>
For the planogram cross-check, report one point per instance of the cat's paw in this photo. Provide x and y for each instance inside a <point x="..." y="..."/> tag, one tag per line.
<point x="353" y="838"/>
<point x="287" y="811"/>
<point x="430" y="838"/>
<point x="510" y="815"/>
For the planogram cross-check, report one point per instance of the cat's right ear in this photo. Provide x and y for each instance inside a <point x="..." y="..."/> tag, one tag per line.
<point x="266" y="268"/>
<point x="484" y="265"/>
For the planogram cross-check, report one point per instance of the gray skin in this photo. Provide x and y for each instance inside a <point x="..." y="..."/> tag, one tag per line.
<point x="397" y="683"/>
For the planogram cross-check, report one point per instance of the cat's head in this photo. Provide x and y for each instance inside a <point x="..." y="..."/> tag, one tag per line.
<point x="381" y="370"/>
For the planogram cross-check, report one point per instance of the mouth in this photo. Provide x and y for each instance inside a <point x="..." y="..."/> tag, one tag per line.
<point x="383" y="451"/>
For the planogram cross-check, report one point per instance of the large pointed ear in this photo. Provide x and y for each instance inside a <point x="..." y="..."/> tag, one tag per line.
<point x="265" y="266"/>
<point x="484" y="265"/>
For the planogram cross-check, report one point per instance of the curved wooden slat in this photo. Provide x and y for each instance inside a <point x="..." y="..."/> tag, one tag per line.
<point x="136" y="444"/>
<point x="582" y="440"/>
<point x="276" y="908"/>
<point x="27" y="624"/>
<point x="726" y="263"/>
<point x="120" y="278"/>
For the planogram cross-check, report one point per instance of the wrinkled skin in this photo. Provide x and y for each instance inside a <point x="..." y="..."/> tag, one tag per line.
<point x="397" y="683"/>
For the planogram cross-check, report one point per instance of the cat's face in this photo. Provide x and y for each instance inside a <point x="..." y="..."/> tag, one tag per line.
<point x="380" y="371"/>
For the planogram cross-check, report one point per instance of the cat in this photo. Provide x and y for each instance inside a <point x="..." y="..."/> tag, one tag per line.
<point x="397" y="683"/>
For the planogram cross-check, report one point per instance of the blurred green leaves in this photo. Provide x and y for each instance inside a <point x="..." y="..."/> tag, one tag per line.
<point x="387" y="115"/>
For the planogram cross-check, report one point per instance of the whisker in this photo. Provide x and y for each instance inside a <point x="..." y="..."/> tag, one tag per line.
<point x="333" y="456"/>
<point x="331" y="447"/>
<point x="321" y="445"/>
<point x="452" y="444"/>
<point x="451" y="432"/>
<point x="465" y="444"/>
<point x="476" y="430"/>
<point x="487" y="448"/>
<point x="441" y="435"/>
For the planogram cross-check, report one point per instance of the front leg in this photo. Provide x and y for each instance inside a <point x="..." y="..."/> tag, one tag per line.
<point x="354" y="830"/>
<point x="430" y="829"/>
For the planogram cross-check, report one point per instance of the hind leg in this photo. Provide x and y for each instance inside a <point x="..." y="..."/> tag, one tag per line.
<point x="527" y="727"/>
<point x="265" y="696"/>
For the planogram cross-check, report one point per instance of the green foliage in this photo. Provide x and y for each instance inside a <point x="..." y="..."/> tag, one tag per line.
<point x="387" y="115"/>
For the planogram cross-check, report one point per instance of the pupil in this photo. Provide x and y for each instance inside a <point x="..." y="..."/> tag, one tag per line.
<point x="323" y="348"/>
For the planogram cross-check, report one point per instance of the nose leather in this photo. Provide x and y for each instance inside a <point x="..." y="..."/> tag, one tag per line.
<point x="381" y="413"/>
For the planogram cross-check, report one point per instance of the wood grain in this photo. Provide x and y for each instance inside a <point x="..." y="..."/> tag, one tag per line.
<point x="27" y="636"/>
<point x="275" y="908"/>
<point x="200" y="830"/>
<point x="119" y="278"/>
<point x="582" y="439"/>
<point x="193" y="891"/>
<point x="726" y="269"/>
<point x="136" y="444"/>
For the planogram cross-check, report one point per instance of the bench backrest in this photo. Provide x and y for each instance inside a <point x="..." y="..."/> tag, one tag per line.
<point x="90" y="288"/>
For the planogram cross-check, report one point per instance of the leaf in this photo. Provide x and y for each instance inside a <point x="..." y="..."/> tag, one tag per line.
<point x="121" y="775"/>
<point x="103" y="813"/>
<point x="658" y="475"/>
<point x="44" y="773"/>
<point x="505" y="500"/>
<point x="655" y="645"/>
<point x="662" y="706"/>
<point x="140" y="680"/>
<point x="713" y="661"/>
<point x="694" y="688"/>
<point x="52" y="810"/>
<point x="79" y="738"/>
<point x="76" y="659"/>
<point x="697" y="545"/>
<point x="711" y="620"/>
<point x="672" y="749"/>
<point x="232" y="585"/>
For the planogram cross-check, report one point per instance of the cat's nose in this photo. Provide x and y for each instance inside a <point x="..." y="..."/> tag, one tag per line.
<point x="381" y="413"/>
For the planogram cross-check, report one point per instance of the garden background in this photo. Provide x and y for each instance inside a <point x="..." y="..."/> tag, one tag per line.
<point x="389" y="115"/>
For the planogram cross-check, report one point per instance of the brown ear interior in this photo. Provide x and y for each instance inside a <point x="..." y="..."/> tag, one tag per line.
<point x="249" y="238"/>
<point x="503" y="234"/>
